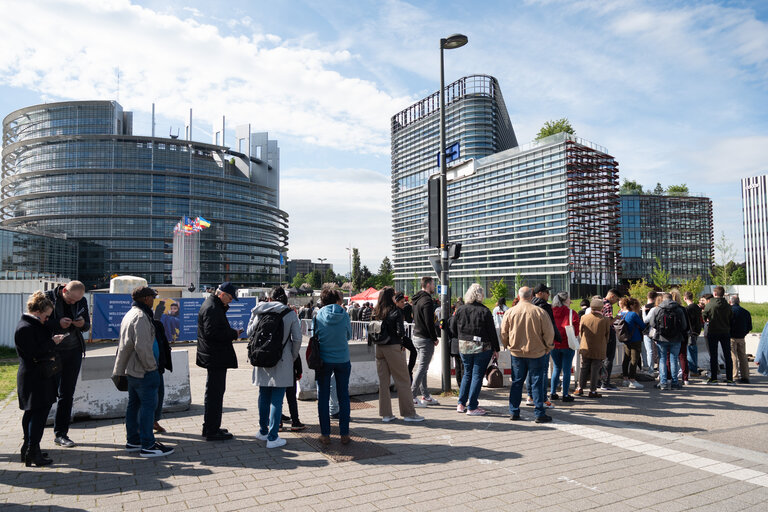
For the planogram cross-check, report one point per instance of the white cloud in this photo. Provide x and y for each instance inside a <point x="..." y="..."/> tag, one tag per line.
<point x="71" y="50"/>
<point x="729" y="159"/>
<point x="331" y="208"/>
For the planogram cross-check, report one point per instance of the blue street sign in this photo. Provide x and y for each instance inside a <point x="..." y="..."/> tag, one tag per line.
<point x="452" y="153"/>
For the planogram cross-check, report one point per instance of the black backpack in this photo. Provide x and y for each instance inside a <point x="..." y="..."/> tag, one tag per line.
<point x="621" y="327"/>
<point x="265" y="347"/>
<point x="668" y="323"/>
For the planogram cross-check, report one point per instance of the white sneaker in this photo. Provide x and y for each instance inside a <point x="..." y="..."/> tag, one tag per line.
<point x="419" y="403"/>
<point x="387" y="419"/>
<point x="430" y="401"/>
<point x="625" y="384"/>
<point x="261" y="437"/>
<point x="633" y="384"/>
<point x="529" y="401"/>
<point x="277" y="443"/>
<point x="414" y="418"/>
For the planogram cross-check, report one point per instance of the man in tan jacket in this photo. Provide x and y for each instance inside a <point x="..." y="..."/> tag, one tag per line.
<point x="137" y="355"/>
<point x="526" y="330"/>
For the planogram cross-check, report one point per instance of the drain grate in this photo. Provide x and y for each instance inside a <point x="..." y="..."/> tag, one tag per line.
<point x="360" y="447"/>
<point x="354" y="403"/>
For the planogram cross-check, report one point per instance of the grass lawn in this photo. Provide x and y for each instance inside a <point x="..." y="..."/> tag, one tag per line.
<point x="8" y="367"/>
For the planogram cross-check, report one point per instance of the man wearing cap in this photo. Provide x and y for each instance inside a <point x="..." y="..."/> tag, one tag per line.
<point x="611" y="298"/>
<point x="216" y="353"/>
<point x="137" y="359"/>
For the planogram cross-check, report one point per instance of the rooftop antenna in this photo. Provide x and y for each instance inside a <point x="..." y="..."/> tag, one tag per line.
<point x="170" y="133"/>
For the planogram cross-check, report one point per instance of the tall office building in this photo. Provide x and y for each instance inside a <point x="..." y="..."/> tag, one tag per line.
<point x="544" y="212"/>
<point x="754" y="200"/>
<point x="76" y="168"/>
<point x="675" y="229"/>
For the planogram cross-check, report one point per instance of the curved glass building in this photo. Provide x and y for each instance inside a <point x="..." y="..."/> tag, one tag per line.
<point x="75" y="168"/>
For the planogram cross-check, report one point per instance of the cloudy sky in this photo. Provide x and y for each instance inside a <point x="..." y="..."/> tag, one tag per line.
<point x="677" y="91"/>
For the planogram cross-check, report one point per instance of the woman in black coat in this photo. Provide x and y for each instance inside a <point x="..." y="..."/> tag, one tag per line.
<point x="36" y="381"/>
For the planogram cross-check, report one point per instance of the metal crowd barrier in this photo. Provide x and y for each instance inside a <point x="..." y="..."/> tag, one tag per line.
<point x="359" y="330"/>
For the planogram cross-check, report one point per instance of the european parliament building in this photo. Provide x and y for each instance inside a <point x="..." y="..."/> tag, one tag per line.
<point x="546" y="212"/>
<point x="76" y="169"/>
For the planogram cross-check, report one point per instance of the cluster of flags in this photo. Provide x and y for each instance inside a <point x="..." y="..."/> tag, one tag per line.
<point x="188" y="226"/>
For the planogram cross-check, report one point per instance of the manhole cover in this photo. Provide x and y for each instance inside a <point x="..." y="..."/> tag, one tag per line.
<point x="354" y="403"/>
<point x="360" y="448"/>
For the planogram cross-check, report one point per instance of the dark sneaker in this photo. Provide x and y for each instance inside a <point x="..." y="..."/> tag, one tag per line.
<point x="221" y="435"/>
<point x="515" y="417"/>
<point x="712" y="381"/>
<point x="132" y="447"/>
<point x="568" y="398"/>
<point x="157" y="450"/>
<point x="543" y="419"/>
<point x="554" y="396"/>
<point x="677" y="385"/>
<point x="64" y="441"/>
<point x="298" y="426"/>
<point x="335" y="416"/>
<point x="608" y="387"/>
<point x="594" y="394"/>
<point x="729" y="383"/>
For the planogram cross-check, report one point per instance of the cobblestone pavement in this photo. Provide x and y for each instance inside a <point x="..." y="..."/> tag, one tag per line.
<point x="698" y="449"/>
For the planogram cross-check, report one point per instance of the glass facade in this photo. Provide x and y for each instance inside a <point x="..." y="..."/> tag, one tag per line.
<point x="31" y="256"/>
<point x="74" y="168"/>
<point x="754" y="204"/>
<point x="519" y="212"/>
<point x="676" y="230"/>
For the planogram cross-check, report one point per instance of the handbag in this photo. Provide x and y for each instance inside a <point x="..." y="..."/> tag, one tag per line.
<point x="314" y="361"/>
<point x="377" y="333"/>
<point x="570" y="332"/>
<point x="121" y="382"/>
<point x="493" y="375"/>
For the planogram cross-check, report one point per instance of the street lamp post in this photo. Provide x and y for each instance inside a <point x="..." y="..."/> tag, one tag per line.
<point x="448" y="43"/>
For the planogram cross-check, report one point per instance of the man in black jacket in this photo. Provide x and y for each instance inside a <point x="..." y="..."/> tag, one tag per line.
<point x="696" y="323"/>
<point x="163" y="363"/>
<point x="216" y="354"/>
<point x="70" y="317"/>
<point x="424" y="340"/>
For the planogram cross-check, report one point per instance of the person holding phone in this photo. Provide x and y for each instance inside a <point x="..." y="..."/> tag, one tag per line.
<point x="36" y="378"/>
<point x="70" y="318"/>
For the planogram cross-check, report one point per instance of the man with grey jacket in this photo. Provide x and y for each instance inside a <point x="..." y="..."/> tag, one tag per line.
<point x="137" y="356"/>
<point x="272" y="381"/>
<point x="670" y="324"/>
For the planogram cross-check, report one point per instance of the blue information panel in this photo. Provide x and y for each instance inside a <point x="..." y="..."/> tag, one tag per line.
<point x="109" y="310"/>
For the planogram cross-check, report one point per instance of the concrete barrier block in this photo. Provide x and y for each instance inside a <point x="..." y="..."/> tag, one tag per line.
<point x="363" y="379"/>
<point x="97" y="397"/>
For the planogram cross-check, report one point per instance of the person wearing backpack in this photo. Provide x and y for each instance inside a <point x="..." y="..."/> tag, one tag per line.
<point x="719" y="314"/>
<point x="631" y="335"/>
<point x="333" y="330"/>
<point x="216" y="354"/>
<point x="275" y="339"/>
<point x="670" y="325"/>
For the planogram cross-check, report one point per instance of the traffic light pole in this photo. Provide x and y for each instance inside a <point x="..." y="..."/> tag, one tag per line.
<point x="445" y="298"/>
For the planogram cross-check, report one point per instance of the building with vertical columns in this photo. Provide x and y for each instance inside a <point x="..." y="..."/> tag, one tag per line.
<point x="754" y="201"/>
<point x="547" y="211"/>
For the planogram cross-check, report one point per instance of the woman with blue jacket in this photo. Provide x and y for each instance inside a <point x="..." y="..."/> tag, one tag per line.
<point x="632" y="348"/>
<point x="333" y="330"/>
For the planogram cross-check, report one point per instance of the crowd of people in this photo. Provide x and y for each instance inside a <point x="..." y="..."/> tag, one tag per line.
<point x="659" y="338"/>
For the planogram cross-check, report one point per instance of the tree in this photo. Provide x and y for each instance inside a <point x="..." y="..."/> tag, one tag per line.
<point x="639" y="290"/>
<point x="416" y="284"/>
<point x="739" y="276"/>
<point x="659" y="190"/>
<point x="498" y="289"/>
<point x="315" y="279"/>
<point x="659" y="276"/>
<point x="298" y="280"/>
<point x="695" y="286"/>
<point x="357" y="281"/>
<point x="678" y="190"/>
<point x="553" y="127"/>
<point x="386" y="276"/>
<point x="365" y="276"/>
<point x="329" y="276"/>
<point x="631" y="187"/>
<point x="722" y="273"/>
<point x="519" y="282"/>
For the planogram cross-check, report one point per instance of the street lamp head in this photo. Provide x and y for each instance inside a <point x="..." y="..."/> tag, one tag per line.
<point x="454" y="41"/>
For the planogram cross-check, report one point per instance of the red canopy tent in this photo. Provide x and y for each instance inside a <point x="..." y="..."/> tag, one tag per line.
<point x="370" y="295"/>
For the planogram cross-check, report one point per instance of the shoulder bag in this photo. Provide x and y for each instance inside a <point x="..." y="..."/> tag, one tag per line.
<point x="314" y="361"/>
<point x="570" y="332"/>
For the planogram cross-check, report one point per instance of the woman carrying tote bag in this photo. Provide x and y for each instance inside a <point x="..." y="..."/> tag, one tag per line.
<point x="567" y="322"/>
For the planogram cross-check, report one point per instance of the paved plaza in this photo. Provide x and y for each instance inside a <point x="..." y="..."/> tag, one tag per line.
<point x="703" y="448"/>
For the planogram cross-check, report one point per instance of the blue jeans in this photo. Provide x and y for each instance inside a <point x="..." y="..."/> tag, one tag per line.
<point x="270" y="410"/>
<point x="521" y="368"/>
<point x="562" y="358"/>
<point x="648" y="352"/>
<point x="474" y="371"/>
<point x="140" y="414"/>
<point x="333" y="400"/>
<point x="543" y="381"/>
<point x="671" y="351"/>
<point x="160" y="398"/>
<point x="693" y="354"/>
<point x="340" y="372"/>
